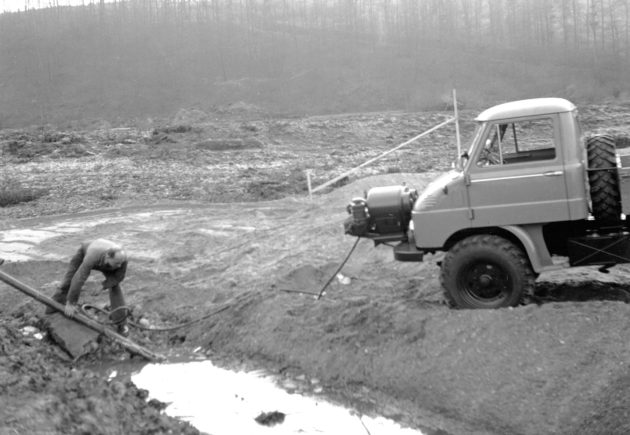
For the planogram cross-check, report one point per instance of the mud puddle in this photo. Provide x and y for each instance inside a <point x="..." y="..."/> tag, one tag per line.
<point x="220" y="401"/>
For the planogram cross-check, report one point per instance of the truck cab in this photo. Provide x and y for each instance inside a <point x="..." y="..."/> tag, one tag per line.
<point x="525" y="166"/>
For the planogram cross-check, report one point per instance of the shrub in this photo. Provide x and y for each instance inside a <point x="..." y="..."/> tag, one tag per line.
<point x="12" y="192"/>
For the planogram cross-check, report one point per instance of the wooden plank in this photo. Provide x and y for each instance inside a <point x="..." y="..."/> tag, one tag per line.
<point x="75" y="338"/>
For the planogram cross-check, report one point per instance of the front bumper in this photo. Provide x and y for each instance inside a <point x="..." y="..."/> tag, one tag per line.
<point x="405" y="251"/>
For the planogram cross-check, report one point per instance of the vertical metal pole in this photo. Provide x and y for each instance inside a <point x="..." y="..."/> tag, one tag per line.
<point x="459" y="143"/>
<point x="308" y="180"/>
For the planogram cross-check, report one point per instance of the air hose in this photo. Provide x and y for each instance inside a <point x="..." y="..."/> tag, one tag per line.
<point x="343" y="263"/>
<point x="86" y="307"/>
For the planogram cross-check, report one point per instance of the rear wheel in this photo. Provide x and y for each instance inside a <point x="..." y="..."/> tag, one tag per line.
<point x="486" y="271"/>
<point x="603" y="178"/>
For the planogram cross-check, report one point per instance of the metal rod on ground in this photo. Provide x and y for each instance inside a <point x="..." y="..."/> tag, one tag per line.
<point x="80" y="318"/>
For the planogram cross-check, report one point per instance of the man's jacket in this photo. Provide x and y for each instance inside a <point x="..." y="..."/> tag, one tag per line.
<point x="91" y="256"/>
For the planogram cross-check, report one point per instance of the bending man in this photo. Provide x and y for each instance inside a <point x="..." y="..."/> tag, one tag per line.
<point x="106" y="257"/>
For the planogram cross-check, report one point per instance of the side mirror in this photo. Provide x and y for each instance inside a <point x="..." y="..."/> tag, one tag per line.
<point x="460" y="160"/>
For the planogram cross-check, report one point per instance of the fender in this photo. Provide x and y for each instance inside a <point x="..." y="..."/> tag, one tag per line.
<point x="531" y="237"/>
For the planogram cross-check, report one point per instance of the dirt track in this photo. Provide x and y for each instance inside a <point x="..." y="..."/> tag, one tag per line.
<point x="385" y="342"/>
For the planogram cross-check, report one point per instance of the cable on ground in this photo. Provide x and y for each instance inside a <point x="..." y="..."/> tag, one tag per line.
<point x="86" y="307"/>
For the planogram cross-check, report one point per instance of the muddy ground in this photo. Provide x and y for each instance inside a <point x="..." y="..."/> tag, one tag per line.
<point x="213" y="210"/>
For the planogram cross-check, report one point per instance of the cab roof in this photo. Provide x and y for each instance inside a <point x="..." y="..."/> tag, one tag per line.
<point x="532" y="107"/>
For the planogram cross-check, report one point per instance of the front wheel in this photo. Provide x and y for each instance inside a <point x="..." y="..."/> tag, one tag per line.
<point x="486" y="271"/>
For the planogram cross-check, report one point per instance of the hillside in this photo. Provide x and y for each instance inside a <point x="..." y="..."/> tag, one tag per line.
<point x="127" y="62"/>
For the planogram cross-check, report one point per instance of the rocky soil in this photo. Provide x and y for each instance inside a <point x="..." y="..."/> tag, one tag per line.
<point x="214" y="211"/>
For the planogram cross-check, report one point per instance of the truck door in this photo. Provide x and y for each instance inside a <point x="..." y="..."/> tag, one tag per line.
<point x="518" y="175"/>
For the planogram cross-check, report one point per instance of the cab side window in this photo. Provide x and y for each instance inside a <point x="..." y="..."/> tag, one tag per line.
<point x="518" y="142"/>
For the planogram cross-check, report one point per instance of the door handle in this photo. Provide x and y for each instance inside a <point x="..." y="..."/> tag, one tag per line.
<point x="552" y="173"/>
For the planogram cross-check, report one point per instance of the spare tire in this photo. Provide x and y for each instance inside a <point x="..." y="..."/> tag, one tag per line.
<point x="603" y="178"/>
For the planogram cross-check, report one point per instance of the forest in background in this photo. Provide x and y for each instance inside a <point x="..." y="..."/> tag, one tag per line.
<point x="134" y="60"/>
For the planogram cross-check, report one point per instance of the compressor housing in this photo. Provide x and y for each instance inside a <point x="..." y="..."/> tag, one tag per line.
<point x="383" y="215"/>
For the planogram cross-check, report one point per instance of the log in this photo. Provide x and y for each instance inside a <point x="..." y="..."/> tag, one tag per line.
<point x="80" y="318"/>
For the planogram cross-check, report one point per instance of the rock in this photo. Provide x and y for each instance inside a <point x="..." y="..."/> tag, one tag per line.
<point x="345" y="280"/>
<point x="144" y="322"/>
<point x="290" y="386"/>
<point x="270" y="418"/>
<point x="29" y="330"/>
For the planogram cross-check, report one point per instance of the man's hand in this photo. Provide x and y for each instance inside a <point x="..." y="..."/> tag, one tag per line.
<point x="70" y="310"/>
<point x="109" y="283"/>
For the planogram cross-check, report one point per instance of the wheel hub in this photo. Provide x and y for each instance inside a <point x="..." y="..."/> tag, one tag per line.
<point x="485" y="282"/>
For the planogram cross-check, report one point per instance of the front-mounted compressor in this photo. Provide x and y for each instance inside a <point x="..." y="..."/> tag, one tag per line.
<point x="383" y="215"/>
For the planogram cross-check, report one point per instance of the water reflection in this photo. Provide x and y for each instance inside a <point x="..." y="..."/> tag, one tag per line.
<point x="219" y="401"/>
